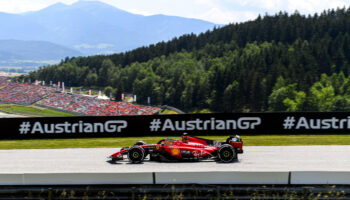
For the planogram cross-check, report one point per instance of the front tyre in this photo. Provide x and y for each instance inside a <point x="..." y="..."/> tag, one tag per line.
<point x="136" y="154"/>
<point x="227" y="153"/>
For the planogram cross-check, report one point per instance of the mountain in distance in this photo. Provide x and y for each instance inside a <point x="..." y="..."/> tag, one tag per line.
<point x="93" y="27"/>
<point x="28" y="55"/>
<point x="33" y="50"/>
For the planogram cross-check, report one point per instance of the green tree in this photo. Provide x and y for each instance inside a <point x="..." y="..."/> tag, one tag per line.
<point x="231" y="96"/>
<point x="286" y="98"/>
<point x="109" y="90"/>
<point x="296" y="104"/>
<point x="341" y="103"/>
<point x="91" y="79"/>
<point x="104" y="73"/>
<point x="322" y="97"/>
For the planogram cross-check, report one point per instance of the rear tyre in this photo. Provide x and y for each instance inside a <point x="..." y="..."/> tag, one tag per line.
<point x="136" y="154"/>
<point x="227" y="153"/>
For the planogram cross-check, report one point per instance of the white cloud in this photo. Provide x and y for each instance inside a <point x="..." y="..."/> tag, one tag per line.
<point x="16" y="7"/>
<point x="20" y="6"/>
<point x="208" y="3"/>
<point x="140" y="12"/>
<point x="221" y="16"/>
<point x="217" y="11"/>
<point x="264" y="4"/>
<point x="303" y="6"/>
<point x="313" y="6"/>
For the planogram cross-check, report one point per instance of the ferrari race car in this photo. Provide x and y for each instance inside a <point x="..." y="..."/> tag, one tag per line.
<point x="188" y="148"/>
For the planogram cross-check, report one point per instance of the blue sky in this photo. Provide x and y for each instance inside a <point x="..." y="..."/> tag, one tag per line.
<point x="217" y="11"/>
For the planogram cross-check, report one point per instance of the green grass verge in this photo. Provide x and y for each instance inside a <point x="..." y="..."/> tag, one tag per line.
<point x="201" y="111"/>
<point x="168" y="112"/>
<point x="275" y="140"/>
<point x="33" y="111"/>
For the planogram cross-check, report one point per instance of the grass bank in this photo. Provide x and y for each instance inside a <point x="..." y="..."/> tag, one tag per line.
<point x="32" y="111"/>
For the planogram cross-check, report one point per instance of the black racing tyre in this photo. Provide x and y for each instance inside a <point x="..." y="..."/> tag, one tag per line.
<point x="136" y="154"/>
<point x="227" y="153"/>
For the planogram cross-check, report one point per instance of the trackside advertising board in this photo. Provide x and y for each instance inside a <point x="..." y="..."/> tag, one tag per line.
<point x="176" y="125"/>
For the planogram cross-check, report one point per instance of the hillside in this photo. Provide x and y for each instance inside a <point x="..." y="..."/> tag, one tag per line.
<point x="33" y="50"/>
<point x="274" y="63"/>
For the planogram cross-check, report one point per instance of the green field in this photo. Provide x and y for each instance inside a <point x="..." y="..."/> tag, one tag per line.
<point x="263" y="140"/>
<point x="168" y="112"/>
<point x="32" y="111"/>
<point x="36" y="111"/>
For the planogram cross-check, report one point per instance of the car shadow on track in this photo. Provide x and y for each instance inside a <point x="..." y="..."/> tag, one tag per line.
<point x="235" y="161"/>
<point x="113" y="163"/>
<point x="168" y="162"/>
<point x="123" y="162"/>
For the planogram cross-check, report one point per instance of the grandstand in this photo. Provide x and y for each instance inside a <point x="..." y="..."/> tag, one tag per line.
<point x="24" y="94"/>
<point x="92" y="106"/>
<point x="48" y="97"/>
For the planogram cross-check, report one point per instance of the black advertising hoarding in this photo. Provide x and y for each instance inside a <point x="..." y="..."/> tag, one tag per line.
<point x="176" y="125"/>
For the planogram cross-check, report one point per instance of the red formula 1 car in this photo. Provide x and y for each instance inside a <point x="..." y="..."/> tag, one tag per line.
<point x="188" y="148"/>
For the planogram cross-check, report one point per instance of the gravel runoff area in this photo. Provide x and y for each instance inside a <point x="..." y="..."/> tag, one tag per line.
<point x="255" y="158"/>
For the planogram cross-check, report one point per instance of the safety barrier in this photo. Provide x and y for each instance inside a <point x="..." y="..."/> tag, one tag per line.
<point x="75" y="178"/>
<point x="314" y="177"/>
<point x="221" y="177"/>
<point x="256" y="178"/>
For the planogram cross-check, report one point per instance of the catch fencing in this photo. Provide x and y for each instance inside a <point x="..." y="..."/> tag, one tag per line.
<point x="180" y="191"/>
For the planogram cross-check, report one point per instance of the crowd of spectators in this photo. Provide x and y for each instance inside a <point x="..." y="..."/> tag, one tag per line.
<point x="26" y="94"/>
<point x="92" y="106"/>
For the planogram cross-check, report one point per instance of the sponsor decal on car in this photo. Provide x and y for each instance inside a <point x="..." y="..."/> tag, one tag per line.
<point x="175" y="151"/>
<point x="197" y="154"/>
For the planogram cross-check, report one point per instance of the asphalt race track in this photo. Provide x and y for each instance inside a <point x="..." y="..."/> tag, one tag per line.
<point x="255" y="158"/>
